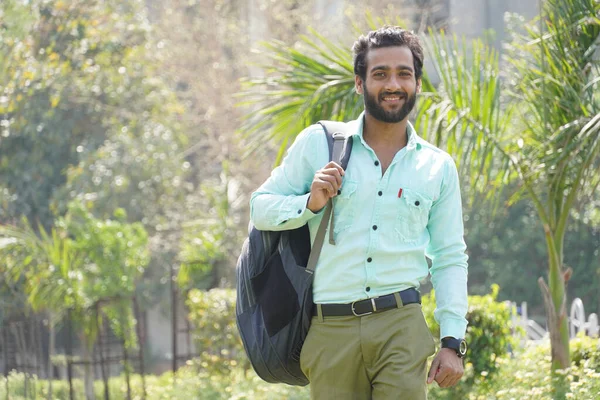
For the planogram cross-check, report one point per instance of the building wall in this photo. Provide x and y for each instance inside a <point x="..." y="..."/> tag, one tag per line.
<point x="472" y="18"/>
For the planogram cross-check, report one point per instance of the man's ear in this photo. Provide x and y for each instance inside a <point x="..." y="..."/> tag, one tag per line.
<point x="358" y="84"/>
<point x="419" y="87"/>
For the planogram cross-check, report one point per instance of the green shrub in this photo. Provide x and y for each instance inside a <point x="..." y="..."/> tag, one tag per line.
<point x="585" y="352"/>
<point x="212" y="314"/>
<point x="489" y="332"/>
<point x="527" y="376"/>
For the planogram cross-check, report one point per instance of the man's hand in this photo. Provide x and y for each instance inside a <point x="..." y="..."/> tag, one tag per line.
<point x="325" y="185"/>
<point x="446" y="368"/>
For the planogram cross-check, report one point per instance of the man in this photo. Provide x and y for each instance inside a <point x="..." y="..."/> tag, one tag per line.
<point x="397" y="202"/>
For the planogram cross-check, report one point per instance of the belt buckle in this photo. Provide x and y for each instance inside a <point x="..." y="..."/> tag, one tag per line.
<point x="368" y="312"/>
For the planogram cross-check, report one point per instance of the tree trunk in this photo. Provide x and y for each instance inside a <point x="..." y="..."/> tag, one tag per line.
<point x="4" y="342"/>
<point x="140" y="340"/>
<point x="21" y="353"/>
<point x="51" y="346"/>
<point x="87" y="370"/>
<point x="174" y="325"/>
<point x="126" y="369"/>
<point x="101" y="351"/>
<point x="70" y="354"/>
<point x="555" y="300"/>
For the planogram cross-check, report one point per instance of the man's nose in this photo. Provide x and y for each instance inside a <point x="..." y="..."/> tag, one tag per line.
<point x="393" y="84"/>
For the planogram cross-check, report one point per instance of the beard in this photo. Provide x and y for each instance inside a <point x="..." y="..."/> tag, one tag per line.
<point x="374" y="108"/>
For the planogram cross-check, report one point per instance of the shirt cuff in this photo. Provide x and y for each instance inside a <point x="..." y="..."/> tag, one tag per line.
<point x="455" y="328"/>
<point x="294" y="208"/>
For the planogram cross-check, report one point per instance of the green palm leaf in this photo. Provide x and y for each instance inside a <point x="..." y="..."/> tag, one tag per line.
<point x="300" y="88"/>
<point x="466" y="115"/>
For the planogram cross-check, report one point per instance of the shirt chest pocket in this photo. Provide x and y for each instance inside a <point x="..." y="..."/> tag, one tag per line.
<point x="345" y="206"/>
<point x="413" y="215"/>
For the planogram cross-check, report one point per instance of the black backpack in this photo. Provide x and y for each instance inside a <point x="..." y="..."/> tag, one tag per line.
<point x="274" y="285"/>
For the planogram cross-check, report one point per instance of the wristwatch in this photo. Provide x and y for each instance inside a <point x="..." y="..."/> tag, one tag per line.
<point x="458" y="345"/>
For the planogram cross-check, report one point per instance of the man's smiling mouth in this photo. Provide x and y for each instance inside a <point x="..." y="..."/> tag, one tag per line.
<point x="393" y="98"/>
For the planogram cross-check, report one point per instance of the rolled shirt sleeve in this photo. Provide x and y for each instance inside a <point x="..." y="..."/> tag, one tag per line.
<point x="280" y="202"/>
<point x="446" y="250"/>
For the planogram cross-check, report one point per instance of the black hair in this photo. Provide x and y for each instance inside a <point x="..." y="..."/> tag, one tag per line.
<point x="387" y="36"/>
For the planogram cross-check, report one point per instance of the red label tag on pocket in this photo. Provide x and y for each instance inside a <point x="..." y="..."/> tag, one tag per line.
<point x="400" y="193"/>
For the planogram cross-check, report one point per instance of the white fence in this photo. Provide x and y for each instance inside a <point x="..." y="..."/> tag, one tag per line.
<point x="577" y="322"/>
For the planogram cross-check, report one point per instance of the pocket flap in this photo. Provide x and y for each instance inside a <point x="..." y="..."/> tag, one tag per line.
<point x="416" y="200"/>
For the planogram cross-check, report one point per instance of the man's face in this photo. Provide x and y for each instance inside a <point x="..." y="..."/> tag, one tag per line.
<point x="390" y="88"/>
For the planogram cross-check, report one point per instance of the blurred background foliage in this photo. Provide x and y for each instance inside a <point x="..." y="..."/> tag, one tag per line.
<point x="120" y="117"/>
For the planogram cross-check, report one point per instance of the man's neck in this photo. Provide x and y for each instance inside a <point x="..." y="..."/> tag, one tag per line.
<point x="391" y="135"/>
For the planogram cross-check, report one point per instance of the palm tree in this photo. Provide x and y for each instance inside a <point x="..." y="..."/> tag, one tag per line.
<point x="41" y="264"/>
<point x="535" y="124"/>
<point x="85" y="267"/>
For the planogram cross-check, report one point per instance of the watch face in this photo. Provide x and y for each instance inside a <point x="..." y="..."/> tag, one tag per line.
<point x="458" y="345"/>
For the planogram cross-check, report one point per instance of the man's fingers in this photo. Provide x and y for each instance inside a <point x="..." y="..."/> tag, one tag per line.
<point x="448" y="377"/>
<point x="445" y="379"/>
<point x="331" y="181"/>
<point x="446" y="369"/>
<point x="452" y="380"/>
<point x="334" y="173"/>
<point x="442" y="376"/>
<point x="433" y="370"/>
<point x="326" y="186"/>
<point x="333" y="164"/>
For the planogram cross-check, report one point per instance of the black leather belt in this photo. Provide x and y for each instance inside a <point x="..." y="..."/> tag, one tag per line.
<point x="369" y="306"/>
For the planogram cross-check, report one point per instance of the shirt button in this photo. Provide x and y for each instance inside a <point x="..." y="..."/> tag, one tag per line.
<point x="299" y="211"/>
<point x="417" y="203"/>
<point x="374" y="227"/>
<point x="339" y="192"/>
<point x="369" y="259"/>
<point x="368" y="288"/>
<point x="376" y="163"/>
<point x="380" y="193"/>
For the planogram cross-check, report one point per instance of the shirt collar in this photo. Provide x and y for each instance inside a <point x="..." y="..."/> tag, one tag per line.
<point x="413" y="139"/>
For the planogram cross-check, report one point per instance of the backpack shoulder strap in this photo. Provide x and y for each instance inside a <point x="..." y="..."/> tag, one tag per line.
<point x="339" y="141"/>
<point x="340" y="131"/>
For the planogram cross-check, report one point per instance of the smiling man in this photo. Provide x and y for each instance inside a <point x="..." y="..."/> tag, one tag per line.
<point x="397" y="203"/>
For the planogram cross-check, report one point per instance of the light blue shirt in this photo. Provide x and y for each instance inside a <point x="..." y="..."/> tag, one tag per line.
<point x="385" y="226"/>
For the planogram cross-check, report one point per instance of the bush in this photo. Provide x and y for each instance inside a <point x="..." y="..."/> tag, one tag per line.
<point x="212" y="314"/>
<point x="489" y="332"/>
<point x="585" y="352"/>
<point x="527" y="376"/>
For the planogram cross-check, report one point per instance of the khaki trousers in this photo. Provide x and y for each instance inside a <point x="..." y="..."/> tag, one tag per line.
<point x="378" y="356"/>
